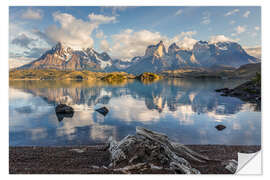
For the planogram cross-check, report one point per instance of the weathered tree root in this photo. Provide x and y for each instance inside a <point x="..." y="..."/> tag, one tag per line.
<point x="148" y="149"/>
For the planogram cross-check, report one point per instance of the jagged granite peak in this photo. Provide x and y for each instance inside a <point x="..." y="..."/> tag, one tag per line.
<point x="221" y="53"/>
<point x="156" y="59"/>
<point x="60" y="49"/>
<point x="204" y="54"/>
<point x="173" y="48"/>
<point x="157" y="50"/>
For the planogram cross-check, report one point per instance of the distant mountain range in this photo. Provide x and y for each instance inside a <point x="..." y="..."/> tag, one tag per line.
<point x="156" y="58"/>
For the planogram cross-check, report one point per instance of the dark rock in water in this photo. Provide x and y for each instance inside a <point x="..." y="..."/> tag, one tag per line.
<point x="220" y="127"/>
<point x="220" y="90"/>
<point x="61" y="116"/>
<point x="63" y="108"/>
<point x="223" y="90"/>
<point x="63" y="111"/>
<point x="249" y="91"/>
<point x="104" y="111"/>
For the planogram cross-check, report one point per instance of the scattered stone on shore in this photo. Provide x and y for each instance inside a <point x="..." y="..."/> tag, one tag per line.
<point x="104" y="111"/>
<point x="95" y="167"/>
<point x="220" y="127"/>
<point x="77" y="150"/>
<point x="51" y="160"/>
<point x="63" y="110"/>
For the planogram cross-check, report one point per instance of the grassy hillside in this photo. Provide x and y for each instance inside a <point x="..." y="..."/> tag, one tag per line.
<point x="148" y="77"/>
<point x="51" y="74"/>
<point x="246" y="71"/>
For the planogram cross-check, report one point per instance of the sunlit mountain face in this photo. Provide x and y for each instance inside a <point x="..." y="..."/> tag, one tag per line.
<point x="186" y="110"/>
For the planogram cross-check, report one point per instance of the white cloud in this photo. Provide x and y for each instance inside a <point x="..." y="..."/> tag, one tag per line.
<point x="104" y="45"/>
<point x="254" y="51"/>
<point x="32" y="14"/>
<point x="128" y="43"/>
<point x="206" y="18"/>
<point x="246" y="14"/>
<point x="187" y="43"/>
<point x="240" y="29"/>
<point x="99" y="34"/>
<point x="184" y="39"/>
<point x="187" y="33"/>
<point x="219" y="38"/>
<point x="232" y="12"/>
<point x="101" y="19"/>
<point x="130" y="110"/>
<point x="19" y="61"/>
<point x="24" y="44"/>
<point x="178" y="12"/>
<point x="22" y="40"/>
<point x="74" y="32"/>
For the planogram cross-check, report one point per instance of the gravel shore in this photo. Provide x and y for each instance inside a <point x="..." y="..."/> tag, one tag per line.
<point x="95" y="159"/>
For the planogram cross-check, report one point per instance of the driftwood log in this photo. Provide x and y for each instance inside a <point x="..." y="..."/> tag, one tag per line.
<point x="148" y="149"/>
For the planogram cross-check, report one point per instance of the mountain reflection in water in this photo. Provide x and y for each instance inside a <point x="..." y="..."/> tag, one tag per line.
<point x="186" y="110"/>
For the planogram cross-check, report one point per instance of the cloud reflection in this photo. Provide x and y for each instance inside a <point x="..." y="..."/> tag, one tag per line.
<point x="186" y="110"/>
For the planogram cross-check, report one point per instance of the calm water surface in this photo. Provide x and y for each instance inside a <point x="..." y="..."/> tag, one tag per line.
<point x="186" y="110"/>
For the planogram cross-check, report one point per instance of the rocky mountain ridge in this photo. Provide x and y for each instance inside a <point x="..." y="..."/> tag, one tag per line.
<point x="156" y="58"/>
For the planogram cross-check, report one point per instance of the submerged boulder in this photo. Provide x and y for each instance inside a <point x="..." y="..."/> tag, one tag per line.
<point x="104" y="111"/>
<point x="61" y="116"/>
<point x="63" y="110"/>
<point x="220" y="127"/>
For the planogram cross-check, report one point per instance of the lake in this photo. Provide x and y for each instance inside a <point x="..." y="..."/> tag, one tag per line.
<point x="186" y="110"/>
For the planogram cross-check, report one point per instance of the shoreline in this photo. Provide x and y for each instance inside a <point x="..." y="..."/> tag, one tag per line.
<point x="96" y="158"/>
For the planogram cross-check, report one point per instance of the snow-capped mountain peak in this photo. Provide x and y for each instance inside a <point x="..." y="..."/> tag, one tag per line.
<point x="63" y="57"/>
<point x="156" y="59"/>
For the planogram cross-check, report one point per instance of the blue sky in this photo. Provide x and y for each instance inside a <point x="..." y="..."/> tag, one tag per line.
<point x="126" y="31"/>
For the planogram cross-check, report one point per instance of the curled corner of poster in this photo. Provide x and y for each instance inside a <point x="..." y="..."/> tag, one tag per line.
<point x="249" y="164"/>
